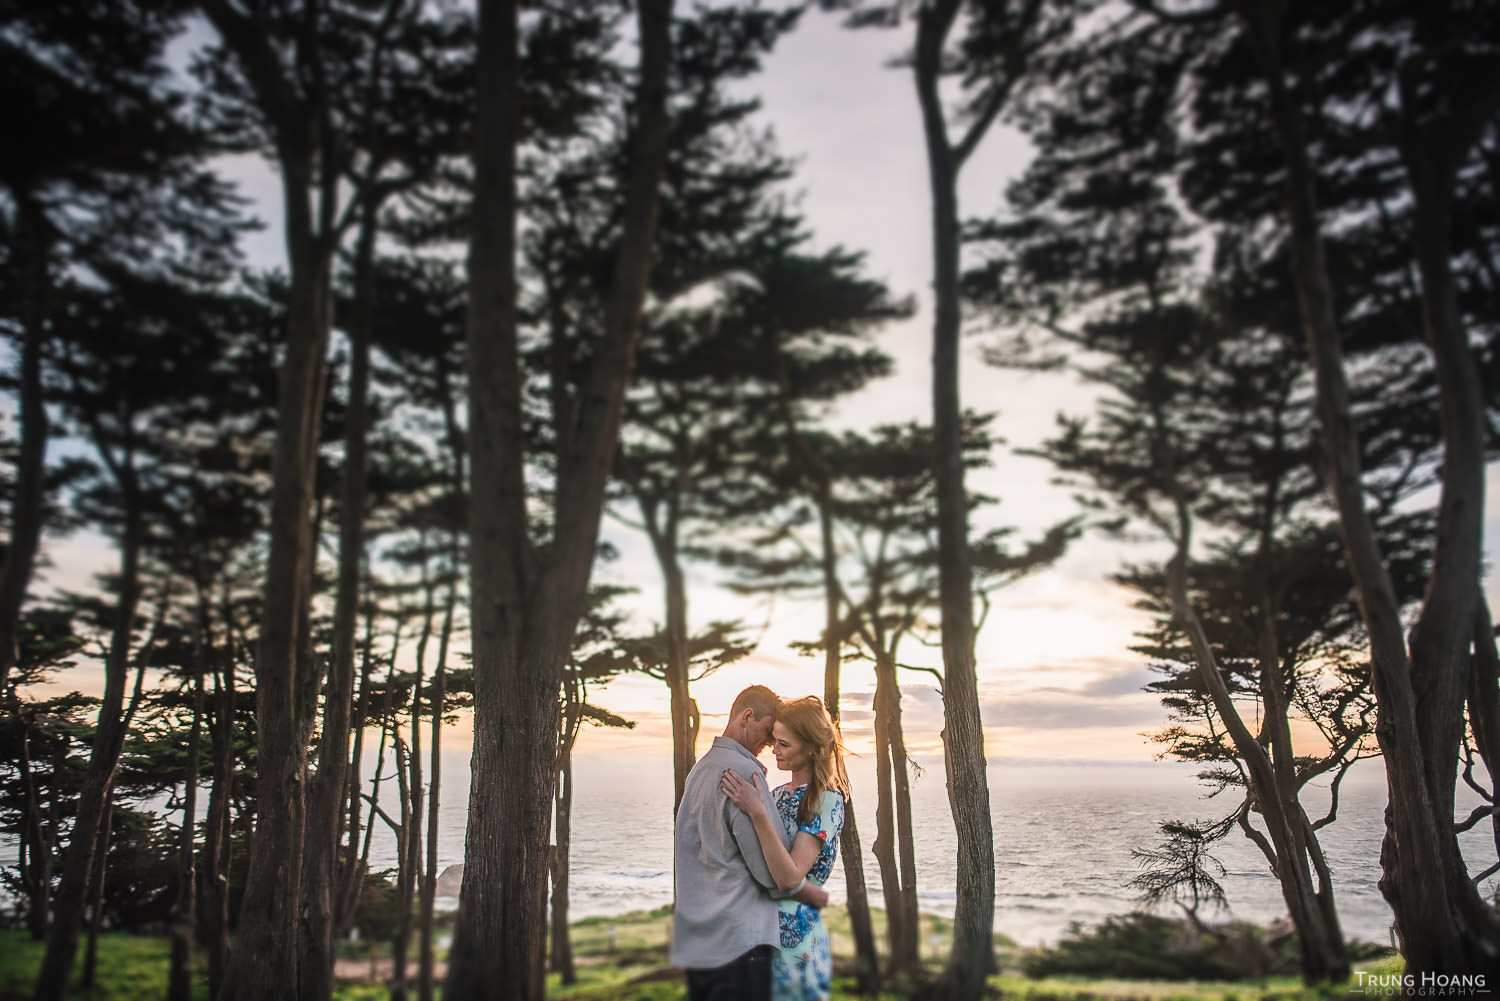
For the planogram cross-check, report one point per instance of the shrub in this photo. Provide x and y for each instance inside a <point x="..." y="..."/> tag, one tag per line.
<point x="1147" y="947"/>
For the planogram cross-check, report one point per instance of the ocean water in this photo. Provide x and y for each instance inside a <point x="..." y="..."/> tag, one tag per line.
<point x="1064" y="831"/>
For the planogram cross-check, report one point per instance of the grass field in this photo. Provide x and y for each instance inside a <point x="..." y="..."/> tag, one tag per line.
<point x="633" y="968"/>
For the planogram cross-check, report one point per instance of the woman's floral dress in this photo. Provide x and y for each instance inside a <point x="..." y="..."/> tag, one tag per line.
<point x="803" y="971"/>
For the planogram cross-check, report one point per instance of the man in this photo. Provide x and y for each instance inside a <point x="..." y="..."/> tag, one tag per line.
<point x="724" y="932"/>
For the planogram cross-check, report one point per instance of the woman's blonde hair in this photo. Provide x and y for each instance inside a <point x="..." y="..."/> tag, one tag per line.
<point x="810" y="723"/>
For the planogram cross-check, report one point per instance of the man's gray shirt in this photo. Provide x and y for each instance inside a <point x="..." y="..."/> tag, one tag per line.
<point x="724" y="907"/>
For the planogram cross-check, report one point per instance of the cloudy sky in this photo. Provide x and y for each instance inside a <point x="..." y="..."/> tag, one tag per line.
<point x="1056" y="679"/>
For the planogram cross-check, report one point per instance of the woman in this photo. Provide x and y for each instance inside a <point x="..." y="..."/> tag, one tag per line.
<point x="810" y="808"/>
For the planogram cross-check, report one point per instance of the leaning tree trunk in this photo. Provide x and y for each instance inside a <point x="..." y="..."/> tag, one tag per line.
<point x="109" y="738"/>
<point x="525" y="611"/>
<point x="1443" y="925"/>
<point x="973" y="954"/>
<point x="1270" y="766"/>
<point x="1289" y="860"/>
<point x="1309" y="894"/>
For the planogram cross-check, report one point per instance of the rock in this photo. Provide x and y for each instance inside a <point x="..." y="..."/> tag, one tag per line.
<point x="450" y="881"/>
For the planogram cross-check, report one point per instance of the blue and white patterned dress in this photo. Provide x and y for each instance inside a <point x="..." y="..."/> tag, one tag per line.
<point x="803" y="970"/>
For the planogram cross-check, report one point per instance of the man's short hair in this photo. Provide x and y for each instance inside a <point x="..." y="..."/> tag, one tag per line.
<point x="757" y="698"/>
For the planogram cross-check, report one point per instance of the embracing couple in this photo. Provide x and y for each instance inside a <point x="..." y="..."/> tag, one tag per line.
<point x="752" y="861"/>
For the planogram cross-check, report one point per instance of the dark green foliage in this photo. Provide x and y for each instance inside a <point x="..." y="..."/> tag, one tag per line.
<point x="378" y="912"/>
<point x="1181" y="870"/>
<point x="1147" y="947"/>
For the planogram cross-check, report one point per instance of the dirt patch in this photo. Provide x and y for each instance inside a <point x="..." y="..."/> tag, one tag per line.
<point x="380" y="970"/>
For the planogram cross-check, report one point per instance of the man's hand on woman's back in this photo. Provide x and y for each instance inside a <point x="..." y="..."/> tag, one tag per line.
<point x="812" y="895"/>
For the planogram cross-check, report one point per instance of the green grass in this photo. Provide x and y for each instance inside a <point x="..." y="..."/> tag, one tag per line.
<point x="134" y="968"/>
<point x="131" y="968"/>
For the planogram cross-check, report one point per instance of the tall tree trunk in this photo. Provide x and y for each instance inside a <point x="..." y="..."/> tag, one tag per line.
<point x="329" y="787"/>
<point x="409" y="869"/>
<point x="217" y="835"/>
<point x="1444" y="926"/>
<point x="973" y="954"/>
<point x="439" y="682"/>
<point x="410" y="804"/>
<point x="684" y="714"/>
<point x="1324" y="956"/>
<point x="353" y="875"/>
<point x="30" y="476"/>
<point x="109" y="737"/>
<point x="866" y="959"/>
<point x="265" y="960"/>
<point x="428" y="902"/>
<point x="267" y="949"/>
<point x="561" y="938"/>
<point x="35" y="846"/>
<point x="525" y="611"/>
<point x="184" y="918"/>
<point x="893" y="823"/>
<point x="89" y="978"/>
<point x="387" y="729"/>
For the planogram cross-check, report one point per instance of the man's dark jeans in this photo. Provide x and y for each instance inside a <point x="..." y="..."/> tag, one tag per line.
<point x="747" y="978"/>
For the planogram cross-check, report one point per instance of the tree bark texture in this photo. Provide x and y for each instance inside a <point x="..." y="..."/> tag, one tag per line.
<point x="972" y="956"/>
<point x="1443" y="925"/>
<point x="525" y="610"/>
<point x="480" y="962"/>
